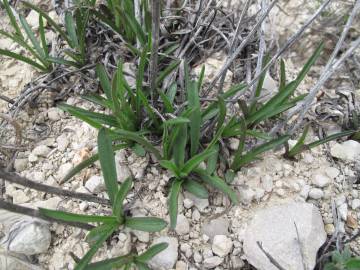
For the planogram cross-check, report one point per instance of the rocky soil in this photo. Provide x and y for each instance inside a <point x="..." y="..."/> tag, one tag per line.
<point x="288" y="208"/>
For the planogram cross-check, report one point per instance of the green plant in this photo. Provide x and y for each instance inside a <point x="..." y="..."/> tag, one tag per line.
<point x="37" y="50"/>
<point x="140" y="261"/>
<point x="343" y="261"/>
<point x="300" y="145"/>
<point x="75" y="34"/>
<point x="107" y="224"/>
<point x="120" y="16"/>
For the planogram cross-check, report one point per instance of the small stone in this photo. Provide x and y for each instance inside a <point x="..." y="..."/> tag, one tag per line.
<point x="142" y="236"/>
<point x="167" y="258"/>
<point x="197" y="257"/>
<point x="20" y="164"/>
<point x="219" y="226"/>
<point x="200" y="204"/>
<point x="305" y="191"/>
<point x="330" y="229"/>
<point x="343" y="211"/>
<point x="320" y="180"/>
<point x="188" y="203"/>
<point x="63" y="170"/>
<point x="62" y="142"/>
<point x="259" y="193"/>
<point x="41" y="151"/>
<point x="316" y="193"/>
<point x="236" y="262"/>
<point x="332" y="172"/>
<point x="246" y="195"/>
<point x="31" y="238"/>
<point x="348" y="151"/>
<point x="234" y="143"/>
<point x="281" y="192"/>
<point x="355" y="204"/>
<point x="95" y="184"/>
<point x="212" y="262"/>
<point x="54" y="114"/>
<point x="181" y="265"/>
<point x="340" y="199"/>
<point x="122" y="237"/>
<point x="267" y="183"/>
<point x="182" y="225"/>
<point x="83" y="206"/>
<point x="222" y="245"/>
<point x="186" y="249"/>
<point x="33" y="19"/>
<point x="196" y="215"/>
<point x="33" y="158"/>
<point x="19" y="197"/>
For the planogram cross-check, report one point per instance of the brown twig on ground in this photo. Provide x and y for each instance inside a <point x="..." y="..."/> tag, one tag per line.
<point x="36" y="213"/>
<point x="14" y="178"/>
<point x="8" y="100"/>
<point x="271" y="258"/>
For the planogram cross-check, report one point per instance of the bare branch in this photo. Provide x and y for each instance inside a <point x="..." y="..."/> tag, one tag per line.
<point x="271" y="258"/>
<point x="14" y="178"/>
<point x="35" y="213"/>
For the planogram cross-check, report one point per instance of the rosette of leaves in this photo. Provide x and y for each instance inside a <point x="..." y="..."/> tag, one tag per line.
<point x="107" y="225"/>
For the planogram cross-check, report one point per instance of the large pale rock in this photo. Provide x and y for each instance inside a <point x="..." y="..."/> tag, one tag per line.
<point x="274" y="228"/>
<point x="167" y="258"/>
<point x="349" y="150"/>
<point x="221" y="245"/>
<point x="200" y="204"/>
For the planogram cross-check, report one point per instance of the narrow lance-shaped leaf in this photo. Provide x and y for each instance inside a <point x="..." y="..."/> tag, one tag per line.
<point x="171" y="166"/>
<point x="71" y="29"/>
<point x="195" y="188"/>
<point x="151" y="252"/>
<point x="119" y="199"/>
<point x="104" y="80"/>
<point x="102" y="238"/>
<point x="107" y="162"/>
<point x="218" y="183"/>
<point x="173" y="201"/>
<point x="22" y="59"/>
<point x="195" y="161"/>
<point x="71" y="217"/>
<point x="146" y="224"/>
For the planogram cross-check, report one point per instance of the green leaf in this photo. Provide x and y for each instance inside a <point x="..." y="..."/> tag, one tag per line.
<point x="42" y="36"/>
<point x="146" y="224"/>
<point x="110" y="264"/>
<point x="23" y="59"/>
<point x="331" y="138"/>
<point x="12" y="19"/>
<point x="260" y="84"/>
<point x="177" y="121"/>
<point x="71" y="29"/>
<point x="62" y="61"/>
<point x="101" y="239"/>
<point x="141" y="266"/>
<point x="173" y="201"/>
<point x="240" y="161"/>
<point x="92" y="118"/>
<point x="99" y="100"/>
<point x="169" y="108"/>
<point x="66" y="216"/>
<point x="212" y="160"/>
<point x="171" y="166"/>
<point x="163" y="74"/>
<point x="151" y="252"/>
<point x="104" y="80"/>
<point x="87" y="162"/>
<point x="136" y="28"/>
<point x="195" y="117"/>
<point x="107" y="162"/>
<point x="119" y="199"/>
<point x="222" y="113"/>
<point x="353" y="264"/>
<point x="138" y="150"/>
<point x="179" y="146"/>
<point x="49" y="20"/>
<point x="194" y="162"/>
<point x="300" y="143"/>
<point x="230" y="176"/>
<point x="195" y="188"/>
<point x="171" y="93"/>
<point x="95" y="234"/>
<point x="218" y="183"/>
<point x="282" y="75"/>
<point x="133" y="136"/>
